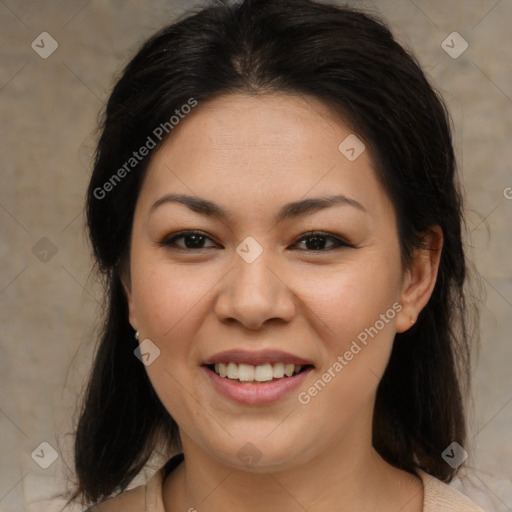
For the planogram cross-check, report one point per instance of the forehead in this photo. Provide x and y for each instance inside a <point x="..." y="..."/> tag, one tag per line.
<point x="243" y="123"/>
<point x="262" y="149"/>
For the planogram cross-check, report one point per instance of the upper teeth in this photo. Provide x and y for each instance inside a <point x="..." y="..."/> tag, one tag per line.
<point x="261" y="373"/>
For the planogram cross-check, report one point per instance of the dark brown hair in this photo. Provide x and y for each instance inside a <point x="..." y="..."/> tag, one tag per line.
<point x="349" y="60"/>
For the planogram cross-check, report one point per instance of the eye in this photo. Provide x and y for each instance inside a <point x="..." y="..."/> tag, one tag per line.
<point x="193" y="240"/>
<point x="315" y="241"/>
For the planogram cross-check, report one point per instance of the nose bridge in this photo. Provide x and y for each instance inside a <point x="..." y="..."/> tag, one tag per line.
<point x="253" y="277"/>
<point x="254" y="291"/>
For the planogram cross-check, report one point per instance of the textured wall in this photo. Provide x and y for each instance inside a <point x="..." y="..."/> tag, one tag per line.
<point x="48" y="296"/>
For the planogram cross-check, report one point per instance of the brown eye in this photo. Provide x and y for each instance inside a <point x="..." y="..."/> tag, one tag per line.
<point x="192" y="240"/>
<point x="317" y="240"/>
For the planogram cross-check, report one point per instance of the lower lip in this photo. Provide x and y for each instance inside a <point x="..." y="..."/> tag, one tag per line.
<point x="256" y="394"/>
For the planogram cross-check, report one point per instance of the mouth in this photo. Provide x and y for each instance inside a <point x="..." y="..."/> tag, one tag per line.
<point x="256" y="377"/>
<point x="243" y="382"/>
<point x="257" y="374"/>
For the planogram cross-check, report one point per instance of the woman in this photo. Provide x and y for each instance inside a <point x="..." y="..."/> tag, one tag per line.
<point x="274" y="205"/>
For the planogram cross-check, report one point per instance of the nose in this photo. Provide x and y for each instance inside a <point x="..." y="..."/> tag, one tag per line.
<point x="255" y="293"/>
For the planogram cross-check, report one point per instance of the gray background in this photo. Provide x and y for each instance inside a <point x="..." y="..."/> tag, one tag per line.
<point x="48" y="302"/>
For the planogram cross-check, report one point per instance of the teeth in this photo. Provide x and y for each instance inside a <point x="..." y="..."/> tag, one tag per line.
<point x="221" y="369"/>
<point x="245" y="372"/>
<point x="261" y="373"/>
<point x="288" y="369"/>
<point x="232" y="371"/>
<point x="278" y="370"/>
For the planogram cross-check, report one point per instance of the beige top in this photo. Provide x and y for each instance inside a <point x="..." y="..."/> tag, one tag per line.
<point x="437" y="496"/>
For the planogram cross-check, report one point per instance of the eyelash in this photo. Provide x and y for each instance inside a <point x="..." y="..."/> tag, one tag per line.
<point x="169" y="241"/>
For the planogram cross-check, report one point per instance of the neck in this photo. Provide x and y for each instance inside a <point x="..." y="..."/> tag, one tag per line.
<point x="349" y="476"/>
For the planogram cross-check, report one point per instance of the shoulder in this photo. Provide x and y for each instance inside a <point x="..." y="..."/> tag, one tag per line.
<point x="440" y="497"/>
<point x="144" y="498"/>
<point x="132" y="501"/>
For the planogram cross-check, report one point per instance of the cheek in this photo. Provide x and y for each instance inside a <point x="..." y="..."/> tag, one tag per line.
<point x="353" y="297"/>
<point x="167" y="295"/>
<point x="358" y="309"/>
<point x="170" y="304"/>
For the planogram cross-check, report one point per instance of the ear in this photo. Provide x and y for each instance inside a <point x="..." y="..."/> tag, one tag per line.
<point x="124" y="275"/>
<point x="420" y="278"/>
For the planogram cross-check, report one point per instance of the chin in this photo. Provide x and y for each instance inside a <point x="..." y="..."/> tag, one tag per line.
<point x="260" y="453"/>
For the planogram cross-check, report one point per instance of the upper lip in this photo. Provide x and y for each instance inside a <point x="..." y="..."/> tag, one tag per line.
<point x="256" y="358"/>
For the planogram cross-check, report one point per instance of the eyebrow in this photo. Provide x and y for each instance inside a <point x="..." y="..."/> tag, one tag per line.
<point x="287" y="211"/>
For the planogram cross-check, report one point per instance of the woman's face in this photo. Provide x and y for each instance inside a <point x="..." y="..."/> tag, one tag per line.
<point x="257" y="288"/>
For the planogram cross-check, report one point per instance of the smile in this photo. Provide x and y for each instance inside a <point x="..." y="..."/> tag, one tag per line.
<point x="250" y="373"/>
<point x="252" y="391"/>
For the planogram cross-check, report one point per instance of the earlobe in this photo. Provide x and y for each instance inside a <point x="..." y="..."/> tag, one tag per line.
<point x="420" y="278"/>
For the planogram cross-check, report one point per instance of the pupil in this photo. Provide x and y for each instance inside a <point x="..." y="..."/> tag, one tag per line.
<point x="316" y="246"/>
<point x="197" y="243"/>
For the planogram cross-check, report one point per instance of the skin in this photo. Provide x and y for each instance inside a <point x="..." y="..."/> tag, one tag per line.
<point x="251" y="155"/>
